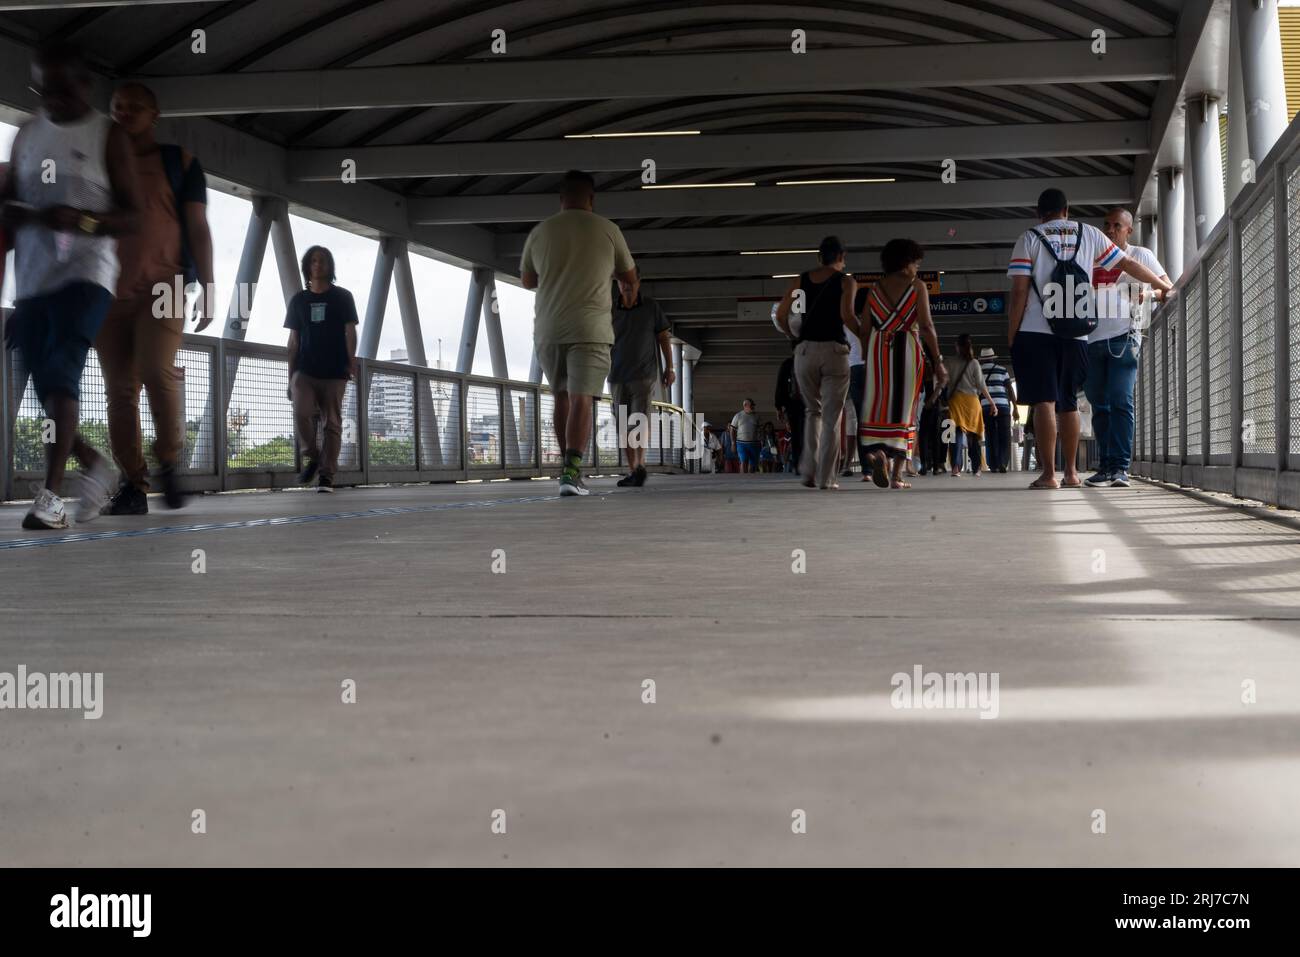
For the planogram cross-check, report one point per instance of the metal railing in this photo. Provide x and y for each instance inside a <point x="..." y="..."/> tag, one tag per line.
<point x="401" y="423"/>
<point x="1218" y="389"/>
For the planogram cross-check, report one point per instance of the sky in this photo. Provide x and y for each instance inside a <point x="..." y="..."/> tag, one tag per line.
<point x="440" y="289"/>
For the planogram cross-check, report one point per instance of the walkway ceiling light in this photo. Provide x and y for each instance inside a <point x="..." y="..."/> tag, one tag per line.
<point x="611" y="136"/>
<point x="833" y="182"/>
<point x="695" y="185"/>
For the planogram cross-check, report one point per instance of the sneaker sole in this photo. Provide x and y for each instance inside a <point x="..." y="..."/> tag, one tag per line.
<point x="34" y="524"/>
<point x="569" y="490"/>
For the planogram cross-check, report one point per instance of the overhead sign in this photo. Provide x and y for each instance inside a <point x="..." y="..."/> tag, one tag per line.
<point x="968" y="304"/>
<point x="931" y="279"/>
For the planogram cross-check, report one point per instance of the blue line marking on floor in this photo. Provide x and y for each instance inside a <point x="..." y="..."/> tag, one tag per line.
<point x="263" y="522"/>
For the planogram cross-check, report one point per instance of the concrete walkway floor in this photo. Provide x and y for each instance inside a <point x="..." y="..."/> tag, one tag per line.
<point x="1121" y="626"/>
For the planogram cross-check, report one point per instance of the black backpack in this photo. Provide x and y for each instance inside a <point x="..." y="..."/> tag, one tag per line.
<point x="1068" y="276"/>
<point x="173" y="165"/>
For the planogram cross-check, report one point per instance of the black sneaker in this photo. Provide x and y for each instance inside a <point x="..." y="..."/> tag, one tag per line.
<point x="326" y="484"/>
<point x="127" y="500"/>
<point x="308" y="472"/>
<point x="628" y="479"/>
<point x="171" y="488"/>
<point x="639" y="476"/>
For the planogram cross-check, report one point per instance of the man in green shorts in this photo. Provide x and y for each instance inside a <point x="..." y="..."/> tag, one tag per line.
<point x="569" y="259"/>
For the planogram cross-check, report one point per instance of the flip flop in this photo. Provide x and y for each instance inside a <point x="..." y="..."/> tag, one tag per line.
<point x="1078" y="484"/>
<point x="878" y="471"/>
<point x="1040" y="484"/>
<point x="901" y="484"/>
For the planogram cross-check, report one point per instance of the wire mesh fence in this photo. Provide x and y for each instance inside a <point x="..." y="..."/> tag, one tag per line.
<point x="399" y="421"/>
<point x="1221" y="409"/>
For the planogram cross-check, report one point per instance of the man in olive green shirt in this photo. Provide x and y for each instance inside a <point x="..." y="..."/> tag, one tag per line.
<point x="569" y="259"/>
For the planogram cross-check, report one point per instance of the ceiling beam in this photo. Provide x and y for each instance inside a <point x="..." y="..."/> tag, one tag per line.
<point x="873" y="236"/>
<point x="256" y="166"/>
<point x="783" y="150"/>
<point x="750" y="201"/>
<point x="6" y="5"/>
<point x="1166" y="134"/>
<point x="950" y="260"/>
<point x="661" y="77"/>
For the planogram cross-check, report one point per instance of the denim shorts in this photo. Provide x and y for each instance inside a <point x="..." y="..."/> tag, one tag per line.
<point x="54" y="332"/>
<point x="1049" y="368"/>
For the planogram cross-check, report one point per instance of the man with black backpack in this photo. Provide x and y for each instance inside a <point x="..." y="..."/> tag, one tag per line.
<point x="138" y="342"/>
<point x="1052" y="312"/>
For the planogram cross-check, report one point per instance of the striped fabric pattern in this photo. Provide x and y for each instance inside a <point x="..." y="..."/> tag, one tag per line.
<point x="997" y="379"/>
<point x="895" y="362"/>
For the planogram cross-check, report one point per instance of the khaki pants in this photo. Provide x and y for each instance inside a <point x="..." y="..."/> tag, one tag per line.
<point x="137" y="349"/>
<point x="319" y="398"/>
<point x="822" y="370"/>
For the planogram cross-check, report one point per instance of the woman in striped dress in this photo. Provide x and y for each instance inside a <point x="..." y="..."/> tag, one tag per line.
<point x="895" y="324"/>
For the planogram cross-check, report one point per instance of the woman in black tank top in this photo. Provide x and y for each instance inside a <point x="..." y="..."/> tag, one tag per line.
<point x="821" y="301"/>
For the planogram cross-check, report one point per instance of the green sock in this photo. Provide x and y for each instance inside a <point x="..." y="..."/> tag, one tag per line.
<point x="572" y="462"/>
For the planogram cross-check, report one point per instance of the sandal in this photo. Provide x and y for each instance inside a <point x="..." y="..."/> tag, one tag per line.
<point x="878" y="470"/>
<point x="900" y="484"/>
<point x="1041" y="484"/>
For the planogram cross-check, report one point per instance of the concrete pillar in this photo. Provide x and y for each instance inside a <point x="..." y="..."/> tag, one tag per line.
<point x="406" y="304"/>
<point x="286" y="254"/>
<point x="500" y="368"/>
<point x="1190" y="245"/>
<point x="380" y="281"/>
<point x="687" y="374"/>
<point x="1148" y="235"/>
<point x="1259" y="38"/>
<point x="1206" y="163"/>
<point x="469" y="329"/>
<point x="428" y="440"/>
<point x="1171" y="221"/>
<point x="677" y="364"/>
<point x="1238" y="141"/>
<point x="492" y="316"/>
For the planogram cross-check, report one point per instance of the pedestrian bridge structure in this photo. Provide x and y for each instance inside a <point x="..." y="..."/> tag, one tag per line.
<point x="673" y="674"/>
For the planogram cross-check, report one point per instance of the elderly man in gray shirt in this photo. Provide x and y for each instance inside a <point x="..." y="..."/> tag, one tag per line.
<point x="634" y="368"/>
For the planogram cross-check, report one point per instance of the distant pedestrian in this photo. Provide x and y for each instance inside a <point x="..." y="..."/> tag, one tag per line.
<point x="965" y="387"/>
<point x="569" y="259"/>
<point x="897" y="331"/>
<point x="824" y="298"/>
<point x="322" y="324"/>
<point x="1052" y="311"/>
<point x="997" y="422"/>
<point x="744" y="433"/>
<point x="1113" y="354"/>
<point x="641" y="359"/>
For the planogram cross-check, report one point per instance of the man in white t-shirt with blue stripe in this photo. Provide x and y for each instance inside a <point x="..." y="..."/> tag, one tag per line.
<point x="1113" y="354"/>
<point x="1050" y="369"/>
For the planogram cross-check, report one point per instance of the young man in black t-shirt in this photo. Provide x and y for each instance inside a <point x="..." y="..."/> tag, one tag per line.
<point x="322" y="324"/>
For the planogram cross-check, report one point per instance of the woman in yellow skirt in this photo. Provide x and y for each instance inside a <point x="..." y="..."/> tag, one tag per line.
<point x="965" y="384"/>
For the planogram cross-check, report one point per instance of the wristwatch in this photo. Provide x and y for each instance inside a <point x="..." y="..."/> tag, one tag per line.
<point x="88" y="224"/>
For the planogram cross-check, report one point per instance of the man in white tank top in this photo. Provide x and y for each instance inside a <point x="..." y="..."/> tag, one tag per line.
<point x="72" y="189"/>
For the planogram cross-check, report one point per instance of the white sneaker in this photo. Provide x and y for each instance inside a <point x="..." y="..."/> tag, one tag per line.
<point x="573" y="485"/>
<point x="47" y="511"/>
<point x="95" y="491"/>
